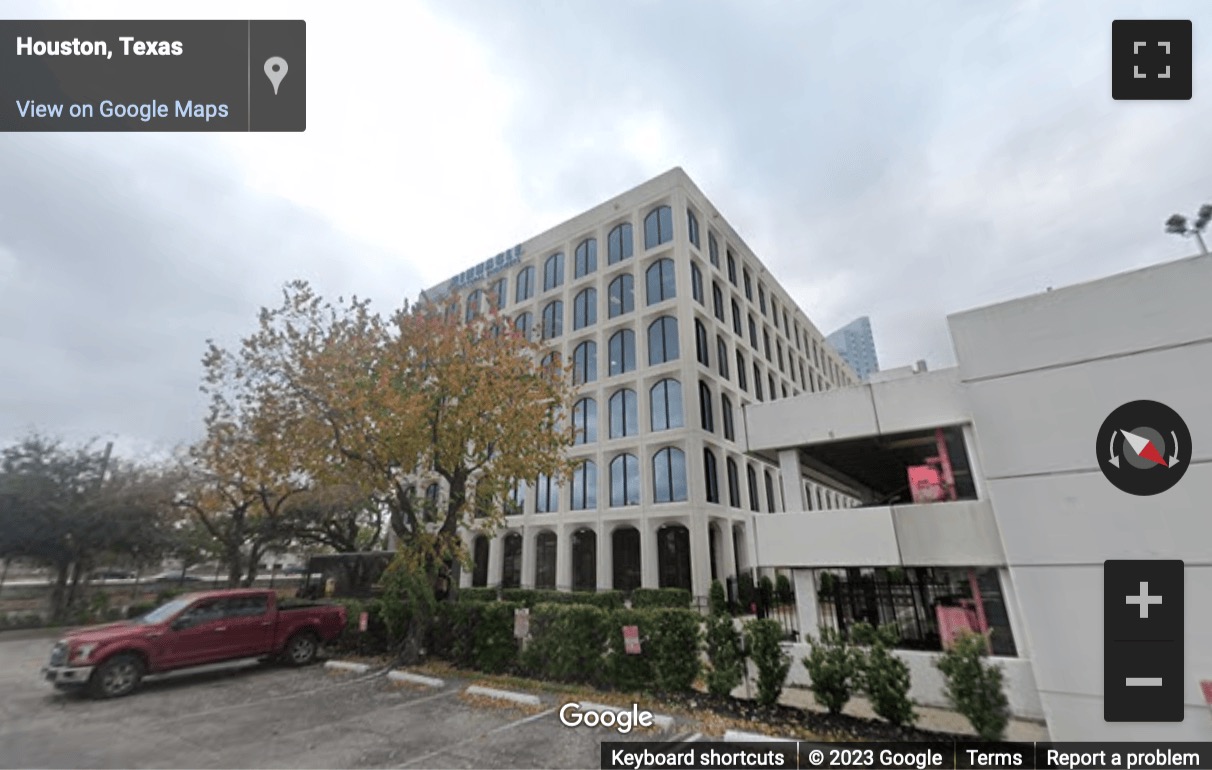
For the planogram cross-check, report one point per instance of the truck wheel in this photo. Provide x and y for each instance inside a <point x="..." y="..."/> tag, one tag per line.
<point x="118" y="676"/>
<point x="301" y="649"/>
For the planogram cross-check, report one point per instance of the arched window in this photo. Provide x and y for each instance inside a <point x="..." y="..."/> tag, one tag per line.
<point x="511" y="569"/>
<point x="711" y="475"/>
<point x="770" y="507"/>
<point x="736" y="318"/>
<point x="622" y="295"/>
<point x="624" y="414"/>
<point x="625" y="558"/>
<point x="474" y="301"/>
<point x="666" y="405"/>
<point x="525" y="286"/>
<point x="700" y="343"/>
<point x="753" y="488"/>
<point x="717" y="301"/>
<point x="748" y="284"/>
<point x="547" y="494"/>
<point x="585" y="363"/>
<point x="619" y="243"/>
<point x="551" y="361"/>
<point x="713" y="249"/>
<point x="585" y="308"/>
<point x="452" y="312"/>
<point x="662" y="340"/>
<point x="545" y="551"/>
<point x="585" y="259"/>
<point x="622" y="352"/>
<point x="721" y="355"/>
<point x="584" y="560"/>
<point x="742" y="377"/>
<point x="731" y="268"/>
<point x="499" y="293"/>
<point x="757" y="382"/>
<point x="585" y="421"/>
<point x="658" y="227"/>
<point x="661" y="282"/>
<point x="525" y="324"/>
<point x="762" y="298"/>
<point x="734" y="484"/>
<point x="770" y="381"/>
<point x="553" y="271"/>
<point x="766" y="343"/>
<point x="669" y="475"/>
<point x="585" y="486"/>
<point x="479" y="575"/>
<point x="696" y="282"/>
<point x="726" y="414"/>
<point x="553" y="320"/>
<point x="692" y="227"/>
<point x="624" y="481"/>
<point x="706" y="414"/>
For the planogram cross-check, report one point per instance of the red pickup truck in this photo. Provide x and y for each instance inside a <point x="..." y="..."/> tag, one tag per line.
<point x="191" y="630"/>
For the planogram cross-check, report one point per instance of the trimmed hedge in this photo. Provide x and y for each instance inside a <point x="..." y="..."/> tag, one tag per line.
<point x="477" y="635"/>
<point x="478" y="594"/>
<point x="660" y="597"/>
<point x="567" y="643"/>
<point x="669" y="644"/>
<point x="530" y="597"/>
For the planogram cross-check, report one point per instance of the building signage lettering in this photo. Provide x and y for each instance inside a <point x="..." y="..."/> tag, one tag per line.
<point x="505" y="259"/>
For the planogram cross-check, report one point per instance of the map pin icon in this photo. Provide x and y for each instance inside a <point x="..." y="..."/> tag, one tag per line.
<point x="275" y="70"/>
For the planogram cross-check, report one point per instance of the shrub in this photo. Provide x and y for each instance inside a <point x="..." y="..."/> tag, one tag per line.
<point x="606" y="600"/>
<point x="495" y="647"/>
<point x="828" y="585"/>
<point x="723" y="646"/>
<point x="783" y="590"/>
<point x="883" y="677"/>
<point x="168" y="595"/>
<point x="660" y="597"/>
<point x="478" y="594"/>
<point x="766" y="591"/>
<point x="676" y="639"/>
<point x="452" y="636"/>
<point x="763" y="638"/>
<point x="623" y="671"/>
<point x="832" y="668"/>
<point x="974" y="688"/>
<point x="746" y="594"/>
<point x="567" y="643"/>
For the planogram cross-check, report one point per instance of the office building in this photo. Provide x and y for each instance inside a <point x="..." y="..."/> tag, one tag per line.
<point x="856" y="345"/>
<point x="673" y="326"/>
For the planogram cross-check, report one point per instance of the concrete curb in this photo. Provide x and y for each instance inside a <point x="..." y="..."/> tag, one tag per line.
<point x="740" y="736"/>
<point x="341" y="665"/>
<point x="658" y="720"/>
<point x="516" y="697"/>
<point x="406" y="676"/>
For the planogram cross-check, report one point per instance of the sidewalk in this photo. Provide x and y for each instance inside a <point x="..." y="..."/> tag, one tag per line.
<point x="928" y="718"/>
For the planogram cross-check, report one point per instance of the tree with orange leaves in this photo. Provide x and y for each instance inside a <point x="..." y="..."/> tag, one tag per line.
<point x="343" y="396"/>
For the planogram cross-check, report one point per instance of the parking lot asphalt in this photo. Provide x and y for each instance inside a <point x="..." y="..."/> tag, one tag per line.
<point x="249" y="715"/>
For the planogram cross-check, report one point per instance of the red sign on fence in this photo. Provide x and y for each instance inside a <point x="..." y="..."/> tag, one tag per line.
<point x="363" y="620"/>
<point x="631" y="640"/>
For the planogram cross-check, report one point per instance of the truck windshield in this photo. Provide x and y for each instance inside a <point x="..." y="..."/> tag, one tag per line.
<point x="164" y="611"/>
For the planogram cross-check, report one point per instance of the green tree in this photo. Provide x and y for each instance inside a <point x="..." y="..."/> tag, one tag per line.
<point x="763" y="640"/>
<point x="724" y="654"/>
<point x="68" y="507"/>
<point x="975" y="688"/>
<point x="882" y="676"/>
<point x="832" y="668"/>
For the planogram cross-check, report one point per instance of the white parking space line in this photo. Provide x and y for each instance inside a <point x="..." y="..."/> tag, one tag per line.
<point x="508" y="726"/>
<point x="193" y="715"/>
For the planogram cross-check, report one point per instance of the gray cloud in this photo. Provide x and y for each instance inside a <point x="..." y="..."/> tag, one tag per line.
<point x="120" y="255"/>
<point x="901" y="161"/>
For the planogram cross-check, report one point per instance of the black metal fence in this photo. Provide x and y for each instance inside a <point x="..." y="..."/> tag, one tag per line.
<point x="745" y="597"/>
<point x="907" y="600"/>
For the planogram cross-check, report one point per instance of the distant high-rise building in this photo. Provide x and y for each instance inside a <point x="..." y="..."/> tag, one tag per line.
<point x="856" y="345"/>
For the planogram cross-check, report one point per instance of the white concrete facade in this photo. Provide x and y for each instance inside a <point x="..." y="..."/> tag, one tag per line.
<point x="740" y="339"/>
<point x="1036" y="377"/>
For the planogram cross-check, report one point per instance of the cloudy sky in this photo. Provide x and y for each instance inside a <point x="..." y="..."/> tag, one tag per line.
<point x="898" y="160"/>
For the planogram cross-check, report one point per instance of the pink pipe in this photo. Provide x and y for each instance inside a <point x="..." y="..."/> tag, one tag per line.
<point x="944" y="459"/>
<point x="982" y="623"/>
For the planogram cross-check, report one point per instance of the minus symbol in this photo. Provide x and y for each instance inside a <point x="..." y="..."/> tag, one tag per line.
<point x="1144" y="681"/>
